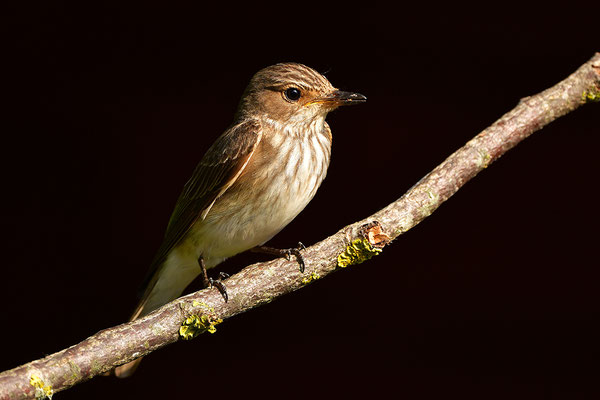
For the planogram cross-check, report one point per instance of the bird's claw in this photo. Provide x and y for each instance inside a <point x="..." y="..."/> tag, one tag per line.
<point x="296" y="252"/>
<point x="217" y="283"/>
<point x="223" y="275"/>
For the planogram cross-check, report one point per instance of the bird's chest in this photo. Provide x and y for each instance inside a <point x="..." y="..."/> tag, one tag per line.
<point x="281" y="178"/>
<point x="290" y="175"/>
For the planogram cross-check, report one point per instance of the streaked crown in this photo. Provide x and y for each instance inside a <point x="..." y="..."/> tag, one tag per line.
<point x="282" y="92"/>
<point x="290" y="74"/>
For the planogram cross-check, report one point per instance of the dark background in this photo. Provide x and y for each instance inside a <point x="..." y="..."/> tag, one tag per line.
<point x="494" y="296"/>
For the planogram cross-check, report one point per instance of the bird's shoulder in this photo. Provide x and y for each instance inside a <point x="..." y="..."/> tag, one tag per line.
<point x="237" y="141"/>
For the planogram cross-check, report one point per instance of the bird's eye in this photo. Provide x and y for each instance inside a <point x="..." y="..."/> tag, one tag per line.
<point x="292" y="94"/>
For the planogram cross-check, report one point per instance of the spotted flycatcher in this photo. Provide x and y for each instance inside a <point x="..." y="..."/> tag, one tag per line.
<point x="257" y="176"/>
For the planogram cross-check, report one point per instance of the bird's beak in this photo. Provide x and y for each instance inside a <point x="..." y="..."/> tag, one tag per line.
<point x="339" y="98"/>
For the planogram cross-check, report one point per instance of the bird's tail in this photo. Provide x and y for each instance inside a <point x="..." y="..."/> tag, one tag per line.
<point x="165" y="285"/>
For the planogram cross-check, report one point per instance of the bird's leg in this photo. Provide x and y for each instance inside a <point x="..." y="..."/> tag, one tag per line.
<point x="287" y="253"/>
<point x="210" y="282"/>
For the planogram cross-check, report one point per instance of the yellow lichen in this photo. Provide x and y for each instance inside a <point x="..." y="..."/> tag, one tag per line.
<point x="360" y="250"/>
<point x="194" y="325"/>
<point x="312" y="277"/>
<point x="42" y="391"/>
<point x="591" y="95"/>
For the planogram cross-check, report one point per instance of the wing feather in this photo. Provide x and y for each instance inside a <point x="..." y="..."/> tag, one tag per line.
<point x="220" y="167"/>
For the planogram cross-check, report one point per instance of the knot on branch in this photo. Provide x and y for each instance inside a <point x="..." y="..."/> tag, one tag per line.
<point x="370" y="242"/>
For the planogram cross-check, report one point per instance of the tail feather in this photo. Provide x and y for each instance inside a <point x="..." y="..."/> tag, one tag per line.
<point x="126" y="370"/>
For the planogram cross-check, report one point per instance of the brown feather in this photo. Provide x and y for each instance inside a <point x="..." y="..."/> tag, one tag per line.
<point x="216" y="172"/>
<point x="222" y="164"/>
<point x="251" y="183"/>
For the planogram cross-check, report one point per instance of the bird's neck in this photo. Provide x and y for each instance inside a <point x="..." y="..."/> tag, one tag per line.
<point x="299" y="129"/>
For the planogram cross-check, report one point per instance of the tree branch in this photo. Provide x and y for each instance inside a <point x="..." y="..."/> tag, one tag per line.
<point x="263" y="282"/>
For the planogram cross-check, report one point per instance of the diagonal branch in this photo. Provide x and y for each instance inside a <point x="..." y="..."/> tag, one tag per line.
<point x="263" y="282"/>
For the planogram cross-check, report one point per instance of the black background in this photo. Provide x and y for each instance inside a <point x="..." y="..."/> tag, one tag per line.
<point x="494" y="296"/>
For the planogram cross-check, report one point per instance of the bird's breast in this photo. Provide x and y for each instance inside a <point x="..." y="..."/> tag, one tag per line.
<point x="280" y="179"/>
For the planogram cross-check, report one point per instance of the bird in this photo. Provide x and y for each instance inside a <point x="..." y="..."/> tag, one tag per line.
<point x="253" y="181"/>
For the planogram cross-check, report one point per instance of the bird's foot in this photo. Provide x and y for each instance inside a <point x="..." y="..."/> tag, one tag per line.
<point x="218" y="283"/>
<point x="287" y="253"/>
<point x="210" y="282"/>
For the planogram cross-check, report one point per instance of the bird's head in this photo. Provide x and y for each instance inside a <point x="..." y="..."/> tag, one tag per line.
<point x="291" y="92"/>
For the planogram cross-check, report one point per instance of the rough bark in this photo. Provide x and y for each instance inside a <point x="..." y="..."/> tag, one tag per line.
<point x="263" y="282"/>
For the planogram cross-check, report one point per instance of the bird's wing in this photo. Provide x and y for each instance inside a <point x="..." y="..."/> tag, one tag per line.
<point x="220" y="167"/>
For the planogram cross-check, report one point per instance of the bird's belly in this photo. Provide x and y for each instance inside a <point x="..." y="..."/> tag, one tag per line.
<point x="246" y="217"/>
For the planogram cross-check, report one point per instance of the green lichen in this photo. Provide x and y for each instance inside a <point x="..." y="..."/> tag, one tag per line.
<point x="429" y="207"/>
<point x="42" y="391"/>
<point x="96" y="368"/>
<point x="202" y="304"/>
<point x="360" y="250"/>
<point x="312" y="277"/>
<point x="194" y="325"/>
<point x="591" y="95"/>
<point x="75" y="372"/>
<point x="485" y="158"/>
